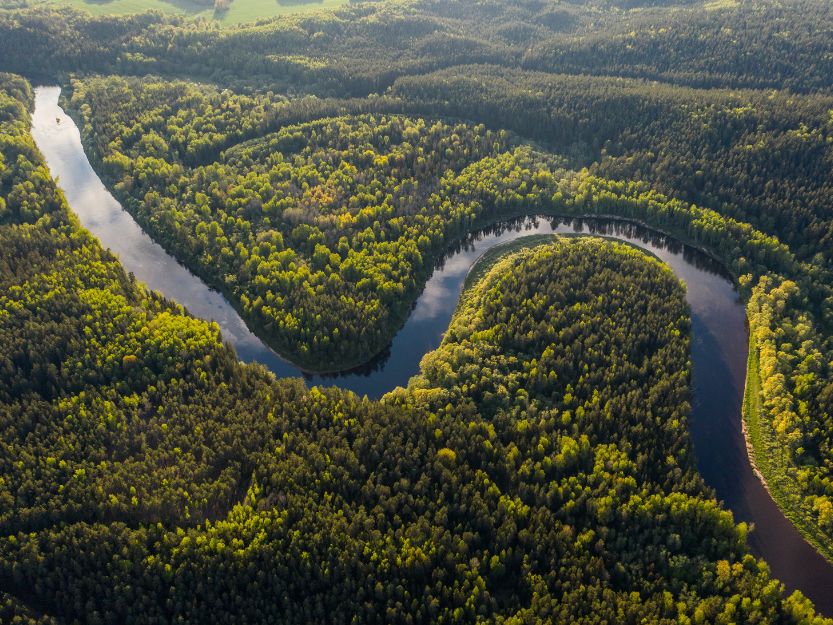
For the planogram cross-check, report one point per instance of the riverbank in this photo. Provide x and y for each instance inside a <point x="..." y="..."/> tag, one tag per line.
<point x="485" y="263"/>
<point x="769" y="462"/>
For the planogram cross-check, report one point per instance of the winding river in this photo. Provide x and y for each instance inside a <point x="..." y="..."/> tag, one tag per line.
<point x="719" y="343"/>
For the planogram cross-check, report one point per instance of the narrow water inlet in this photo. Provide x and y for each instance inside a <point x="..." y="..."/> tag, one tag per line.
<point x="719" y="337"/>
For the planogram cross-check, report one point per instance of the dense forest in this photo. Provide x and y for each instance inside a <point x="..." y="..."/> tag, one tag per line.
<point x="538" y="469"/>
<point x="313" y="228"/>
<point x="316" y="168"/>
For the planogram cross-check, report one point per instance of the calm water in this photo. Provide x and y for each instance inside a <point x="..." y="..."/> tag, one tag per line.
<point x="719" y="345"/>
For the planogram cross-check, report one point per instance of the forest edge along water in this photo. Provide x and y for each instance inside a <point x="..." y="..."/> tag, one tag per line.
<point x="719" y="346"/>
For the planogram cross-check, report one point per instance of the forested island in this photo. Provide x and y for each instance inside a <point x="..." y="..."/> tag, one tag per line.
<point x="315" y="169"/>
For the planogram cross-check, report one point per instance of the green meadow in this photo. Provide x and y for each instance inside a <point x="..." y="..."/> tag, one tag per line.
<point x="239" y="10"/>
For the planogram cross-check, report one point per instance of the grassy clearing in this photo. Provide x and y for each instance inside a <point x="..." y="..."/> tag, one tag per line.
<point x="758" y="444"/>
<point x="240" y="10"/>
<point x="752" y="412"/>
<point x="717" y="5"/>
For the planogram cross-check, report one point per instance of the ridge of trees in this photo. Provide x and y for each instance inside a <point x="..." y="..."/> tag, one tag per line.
<point x="362" y="48"/>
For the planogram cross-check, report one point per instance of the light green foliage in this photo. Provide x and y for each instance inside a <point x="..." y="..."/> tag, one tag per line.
<point x="761" y="157"/>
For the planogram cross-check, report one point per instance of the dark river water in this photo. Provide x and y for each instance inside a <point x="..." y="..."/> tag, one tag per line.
<point x="719" y="342"/>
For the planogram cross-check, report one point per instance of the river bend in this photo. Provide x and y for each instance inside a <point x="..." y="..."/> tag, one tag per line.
<point x="719" y="343"/>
